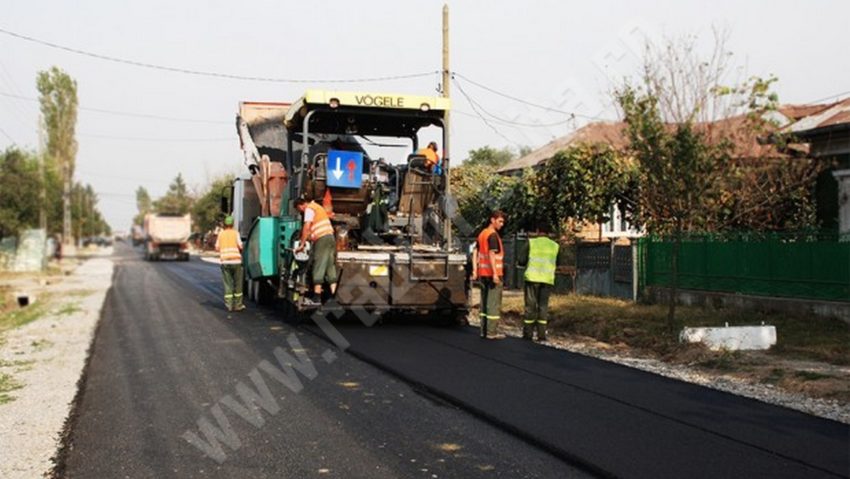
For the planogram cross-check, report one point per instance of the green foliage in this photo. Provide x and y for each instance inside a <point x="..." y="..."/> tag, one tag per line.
<point x="479" y="190"/>
<point x="522" y="203"/>
<point x="86" y="218"/>
<point x="19" y="205"/>
<point x="496" y="158"/>
<point x="678" y="168"/>
<point x="8" y="384"/>
<point x="206" y="212"/>
<point x="581" y="183"/>
<point x="177" y="200"/>
<point x="144" y="205"/>
<point x="59" y="113"/>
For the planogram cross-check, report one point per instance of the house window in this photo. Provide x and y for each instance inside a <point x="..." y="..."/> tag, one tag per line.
<point x="617" y="225"/>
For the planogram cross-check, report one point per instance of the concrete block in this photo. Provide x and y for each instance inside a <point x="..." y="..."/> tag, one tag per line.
<point x="732" y="338"/>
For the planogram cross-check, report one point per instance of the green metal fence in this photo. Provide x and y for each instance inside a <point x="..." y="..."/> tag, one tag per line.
<point x="798" y="265"/>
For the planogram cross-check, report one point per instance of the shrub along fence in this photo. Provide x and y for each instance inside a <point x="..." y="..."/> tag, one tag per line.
<point x="788" y="265"/>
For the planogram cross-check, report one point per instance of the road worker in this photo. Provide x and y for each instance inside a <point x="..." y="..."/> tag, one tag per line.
<point x="487" y="265"/>
<point x="229" y="248"/>
<point x="540" y="258"/>
<point x="432" y="158"/>
<point x="317" y="228"/>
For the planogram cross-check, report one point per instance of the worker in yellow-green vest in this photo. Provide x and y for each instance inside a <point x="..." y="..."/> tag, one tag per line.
<point x="229" y="247"/>
<point x="540" y="258"/>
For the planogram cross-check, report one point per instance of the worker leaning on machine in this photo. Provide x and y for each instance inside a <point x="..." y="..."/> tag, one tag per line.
<point x="318" y="229"/>
<point x="432" y="157"/>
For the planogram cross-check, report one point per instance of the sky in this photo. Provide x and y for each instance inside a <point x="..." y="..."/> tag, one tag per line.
<point x="507" y="57"/>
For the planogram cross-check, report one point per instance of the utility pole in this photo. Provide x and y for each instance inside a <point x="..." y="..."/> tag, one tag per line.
<point x="66" y="199"/>
<point x="446" y="126"/>
<point x="42" y="194"/>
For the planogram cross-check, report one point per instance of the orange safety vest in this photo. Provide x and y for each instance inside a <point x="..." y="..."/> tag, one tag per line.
<point x="228" y="247"/>
<point x="431" y="156"/>
<point x="321" y="222"/>
<point x="488" y="262"/>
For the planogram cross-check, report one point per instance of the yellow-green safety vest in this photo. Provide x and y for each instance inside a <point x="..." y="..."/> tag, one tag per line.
<point x="542" y="260"/>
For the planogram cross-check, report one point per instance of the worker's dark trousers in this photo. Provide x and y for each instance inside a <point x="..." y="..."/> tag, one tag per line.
<point x="536" y="310"/>
<point x="231" y="275"/>
<point x="491" y="306"/>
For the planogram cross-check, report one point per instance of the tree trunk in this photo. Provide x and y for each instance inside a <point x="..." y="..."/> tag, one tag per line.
<point x="674" y="288"/>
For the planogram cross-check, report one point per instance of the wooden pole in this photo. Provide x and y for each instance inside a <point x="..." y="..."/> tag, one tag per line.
<point x="446" y="125"/>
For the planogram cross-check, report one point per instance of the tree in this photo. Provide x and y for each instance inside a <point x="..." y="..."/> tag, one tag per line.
<point x="672" y="122"/>
<point x="580" y="184"/>
<point x="58" y="100"/>
<point x="19" y="205"/>
<point x="88" y="220"/>
<point x="177" y="200"/>
<point x="144" y="205"/>
<point x="206" y="212"/>
<point x="496" y="158"/>
<point x="478" y="190"/>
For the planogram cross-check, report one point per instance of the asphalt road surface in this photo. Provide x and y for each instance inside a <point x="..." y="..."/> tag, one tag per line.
<point x="401" y="400"/>
<point x="167" y="356"/>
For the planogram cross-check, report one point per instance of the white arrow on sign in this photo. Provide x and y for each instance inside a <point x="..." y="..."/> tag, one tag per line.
<point x="337" y="172"/>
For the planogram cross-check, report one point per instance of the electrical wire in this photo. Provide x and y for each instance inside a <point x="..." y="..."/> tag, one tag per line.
<point x="831" y="97"/>
<point x="130" y="138"/>
<point x="507" y="122"/>
<point x="484" y="119"/>
<point x="7" y="135"/>
<point x="526" y="102"/>
<point x="188" y="71"/>
<point x="126" y="113"/>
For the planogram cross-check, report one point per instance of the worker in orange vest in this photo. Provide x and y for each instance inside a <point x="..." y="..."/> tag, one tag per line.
<point x="229" y="248"/>
<point x="488" y="266"/>
<point x="432" y="158"/>
<point x="318" y="229"/>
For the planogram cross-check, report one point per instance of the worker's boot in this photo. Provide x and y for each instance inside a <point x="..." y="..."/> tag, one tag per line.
<point x="528" y="330"/>
<point x="541" y="331"/>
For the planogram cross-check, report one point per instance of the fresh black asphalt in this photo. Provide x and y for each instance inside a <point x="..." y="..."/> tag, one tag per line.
<point x="617" y="420"/>
<point x="166" y="353"/>
<point x="167" y="356"/>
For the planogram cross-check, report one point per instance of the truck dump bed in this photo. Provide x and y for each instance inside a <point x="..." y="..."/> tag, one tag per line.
<point x="168" y="229"/>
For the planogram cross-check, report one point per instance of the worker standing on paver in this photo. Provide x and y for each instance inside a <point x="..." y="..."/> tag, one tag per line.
<point x="317" y="227"/>
<point x="487" y="265"/>
<point x="540" y="258"/>
<point x="229" y="248"/>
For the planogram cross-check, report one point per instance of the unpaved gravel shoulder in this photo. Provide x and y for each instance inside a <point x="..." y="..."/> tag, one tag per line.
<point x="47" y="357"/>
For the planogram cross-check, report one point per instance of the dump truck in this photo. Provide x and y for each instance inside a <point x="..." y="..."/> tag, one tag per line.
<point x="357" y="155"/>
<point x="167" y="236"/>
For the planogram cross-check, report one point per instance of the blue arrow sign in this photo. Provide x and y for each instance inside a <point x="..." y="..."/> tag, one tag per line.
<point x="345" y="169"/>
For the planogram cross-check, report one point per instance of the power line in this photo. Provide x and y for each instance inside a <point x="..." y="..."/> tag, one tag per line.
<point x="475" y="109"/>
<point x="507" y="122"/>
<point x="526" y="102"/>
<point x="126" y="113"/>
<point x="207" y="73"/>
<point x="830" y="97"/>
<point x="130" y="138"/>
<point x="7" y="135"/>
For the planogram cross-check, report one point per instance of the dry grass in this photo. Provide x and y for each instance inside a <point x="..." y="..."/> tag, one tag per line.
<point x="13" y="316"/>
<point x="643" y="327"/>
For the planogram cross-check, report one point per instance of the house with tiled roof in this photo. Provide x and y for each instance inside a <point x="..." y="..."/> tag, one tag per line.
<point x="745" y="145"/>
<point x="827" y="133"/>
